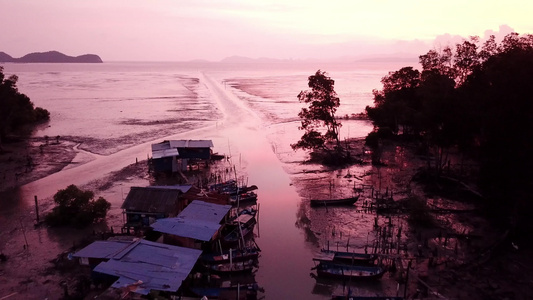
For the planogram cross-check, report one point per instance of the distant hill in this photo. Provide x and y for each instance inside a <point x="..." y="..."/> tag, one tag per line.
<point x="50" y="57"/>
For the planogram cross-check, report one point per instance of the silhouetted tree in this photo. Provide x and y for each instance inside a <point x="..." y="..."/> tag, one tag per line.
<point x="76" y="207"/>
<point x="397" y="104"/>
<point x="16" y="108"/>
<point x="476" y="99"/>
<point x="323" y="103"/>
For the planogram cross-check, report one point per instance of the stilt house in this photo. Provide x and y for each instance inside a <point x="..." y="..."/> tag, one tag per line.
<point x="176" y="155"/>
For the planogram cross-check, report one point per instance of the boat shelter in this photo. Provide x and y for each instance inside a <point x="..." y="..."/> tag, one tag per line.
<point x="175" y="155"/>
<point x="140" y="265"/>
<point x="196" y="226"/>
<point x="144" y="205"/>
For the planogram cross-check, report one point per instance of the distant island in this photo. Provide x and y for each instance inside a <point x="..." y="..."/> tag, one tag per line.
<point x="50" y="57"/>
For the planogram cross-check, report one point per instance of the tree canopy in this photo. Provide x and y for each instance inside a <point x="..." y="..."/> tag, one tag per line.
<point x="77" y="208"/>
<point x="318" y="119"/>
<point x="16" y="108"/>
<point x="477" y="98"/>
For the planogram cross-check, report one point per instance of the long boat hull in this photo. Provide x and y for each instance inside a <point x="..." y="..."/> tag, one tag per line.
<point x="242" y="228"/>
<point x="334" y="202"/>
<point x="350" y="257"/>
<point x="236" y="256"/>
<point x="365" y="298"/>
<point x="334" y="270"/>
<point x="243" y="198"/>
<point x="249" y="290"/>
<point x="231" y="268"/>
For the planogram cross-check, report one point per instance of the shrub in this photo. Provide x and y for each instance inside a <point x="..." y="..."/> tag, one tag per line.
<point x="77" y="208"/>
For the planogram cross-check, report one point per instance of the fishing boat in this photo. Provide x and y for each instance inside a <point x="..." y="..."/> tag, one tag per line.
<point x="231" y="188"/>
<point x="236" y="255"/>
<point x="333" y="202"/>
<point x="245" y="266"/>
<point x="244" y="189"/>
<point x="249" y="291"/>
<point x="239" y="229"/>
<point x="353" y="258"/>
<point x="340" y="297"/>
<point x="339" y="270"/>
<point x="243" y="198"/>
<point x="216" y="156"/>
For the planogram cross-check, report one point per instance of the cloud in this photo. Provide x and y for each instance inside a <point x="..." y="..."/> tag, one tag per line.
<point x="499" y="35"/>
<point x="447" y="39"/>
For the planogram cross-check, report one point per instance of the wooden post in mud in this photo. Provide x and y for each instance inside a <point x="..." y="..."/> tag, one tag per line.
<point x="257" y="219"/>
<point x="399" y="239"/>
<point x="406" y="280"/>
<point x="36" y="209"/>
<point x="26" y="246"/>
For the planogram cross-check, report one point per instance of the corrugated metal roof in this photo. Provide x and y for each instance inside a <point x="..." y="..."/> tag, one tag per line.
<point x="199" y="220"/>
<point x="191" y="144"/>
<point x="169" y="148"/>
<point x="102" y="249"/>
<point x="152" y="199"/>
<point x="150" y="266"/>
<point x="165" y="153"/>
<point x="161" y="146"/>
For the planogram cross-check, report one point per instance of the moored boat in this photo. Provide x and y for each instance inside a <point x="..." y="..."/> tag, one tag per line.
<point x="353" y="258"/>
<point x="231" y="188"/>
<point x="240" y="228"/>
<point x="245" y="266"/>
<point x="243" y="198"/>
<point x="236" y="256"/>
<point x="339" y="270"/>
<point x="340" y="297"/>
<point x="249" y="291"/>
<point x="334" y="202"/>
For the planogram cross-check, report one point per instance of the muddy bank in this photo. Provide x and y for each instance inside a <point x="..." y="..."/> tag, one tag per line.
<point x="435" y="226"/>
<point x="25" y="160"/>
<point x="34" y="261"/>
<point x="459" y="255"/>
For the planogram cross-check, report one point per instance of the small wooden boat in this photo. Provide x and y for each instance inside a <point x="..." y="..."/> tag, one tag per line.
<point x="228" y="292"/>
<point x="338" y="297"/>
<point x="349" y="257"/>
<point x="245" y="266"/>
<point x="231" y="187"/>
<point x="334" y="202"/>
<point x="216" y="156"/>
<point x="338" y="270"/>
<point x="240" y="228"/>
<point x="236" y="256"/>
<point x="243" y="198"/>
<point x="245" y="189"/>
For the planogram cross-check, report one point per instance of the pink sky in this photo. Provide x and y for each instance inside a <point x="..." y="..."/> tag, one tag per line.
<point x="174" y="30"/>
